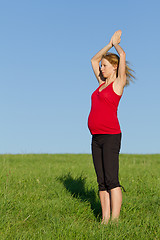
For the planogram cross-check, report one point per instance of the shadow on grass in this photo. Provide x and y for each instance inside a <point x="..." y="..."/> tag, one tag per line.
<point x="77" y="189"/>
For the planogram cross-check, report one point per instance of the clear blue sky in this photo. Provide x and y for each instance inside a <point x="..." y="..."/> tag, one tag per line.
<point x="47" y="80"/>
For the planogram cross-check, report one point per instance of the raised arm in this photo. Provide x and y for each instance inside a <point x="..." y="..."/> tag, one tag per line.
<point x="96" y="59"/>
<point x="122" y="63"/>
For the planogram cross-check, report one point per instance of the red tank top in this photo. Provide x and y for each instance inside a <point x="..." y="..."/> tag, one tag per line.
<point x="103" y="115"/>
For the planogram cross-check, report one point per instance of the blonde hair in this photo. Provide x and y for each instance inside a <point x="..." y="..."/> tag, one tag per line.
<point x="114" y="60"/>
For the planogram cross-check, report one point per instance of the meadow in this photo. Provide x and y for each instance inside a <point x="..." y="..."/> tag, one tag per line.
<point x="55" y="196"/>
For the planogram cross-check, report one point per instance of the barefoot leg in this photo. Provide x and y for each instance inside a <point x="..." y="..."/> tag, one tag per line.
<point x="116" y="202"/>
<point x="105" y="204"/>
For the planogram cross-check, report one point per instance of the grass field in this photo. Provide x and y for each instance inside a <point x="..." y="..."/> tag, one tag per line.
<point x="56" y="197"/>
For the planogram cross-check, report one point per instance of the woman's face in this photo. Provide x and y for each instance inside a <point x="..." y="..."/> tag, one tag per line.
<point x="107" y="68"/>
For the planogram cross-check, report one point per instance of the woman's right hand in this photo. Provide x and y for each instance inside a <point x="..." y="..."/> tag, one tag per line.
<point x="116" y="38"/>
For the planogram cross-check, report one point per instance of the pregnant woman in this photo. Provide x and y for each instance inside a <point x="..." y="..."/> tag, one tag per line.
<point x="113" y="75"/>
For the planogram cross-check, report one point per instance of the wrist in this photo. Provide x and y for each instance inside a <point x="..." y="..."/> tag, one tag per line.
<point x="114" y="44"/>
<point x="110" y="44"/>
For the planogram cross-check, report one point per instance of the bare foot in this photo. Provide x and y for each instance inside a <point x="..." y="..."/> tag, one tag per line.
<point x="114" y="221"/>
<point x="105" y="221"/>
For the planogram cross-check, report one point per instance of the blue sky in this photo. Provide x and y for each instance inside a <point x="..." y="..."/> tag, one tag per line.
<point x="47" y="79"/>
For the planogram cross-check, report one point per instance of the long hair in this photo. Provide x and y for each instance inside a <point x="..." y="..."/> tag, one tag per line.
<point x="114" y="60"/>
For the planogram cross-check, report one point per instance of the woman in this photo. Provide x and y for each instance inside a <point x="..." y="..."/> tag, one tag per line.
<point x="113" y="76"/>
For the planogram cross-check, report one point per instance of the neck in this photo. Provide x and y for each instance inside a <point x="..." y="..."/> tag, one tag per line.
<point x="110" y="79"/>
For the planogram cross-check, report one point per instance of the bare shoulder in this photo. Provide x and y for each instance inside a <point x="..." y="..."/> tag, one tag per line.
<point x="118" y="86"/>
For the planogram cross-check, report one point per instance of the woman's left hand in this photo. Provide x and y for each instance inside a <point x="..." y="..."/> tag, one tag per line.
<point x="116" y="38"/>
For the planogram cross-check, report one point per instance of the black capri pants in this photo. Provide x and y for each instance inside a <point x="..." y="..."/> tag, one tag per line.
<point x="105" y="153"/>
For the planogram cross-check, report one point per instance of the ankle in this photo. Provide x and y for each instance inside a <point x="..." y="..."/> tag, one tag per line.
<point x="105" y="220"/>
<point x="114" y="219"/>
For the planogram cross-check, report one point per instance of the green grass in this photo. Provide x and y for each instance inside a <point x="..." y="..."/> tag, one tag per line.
<point x="56" y="197"/>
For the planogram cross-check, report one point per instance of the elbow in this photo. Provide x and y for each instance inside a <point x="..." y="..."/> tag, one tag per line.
<point x="95" y="61"/>
<point x="92" y="60"/>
